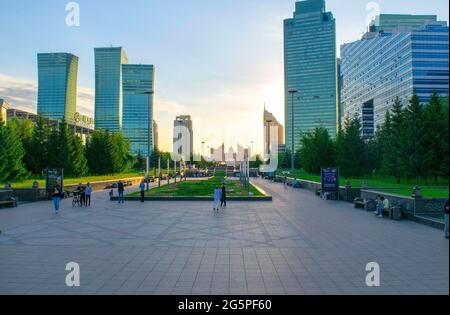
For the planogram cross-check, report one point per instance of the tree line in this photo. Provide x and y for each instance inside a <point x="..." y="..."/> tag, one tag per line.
<point x="27" y="150"/>
<point x="411" y="144"/>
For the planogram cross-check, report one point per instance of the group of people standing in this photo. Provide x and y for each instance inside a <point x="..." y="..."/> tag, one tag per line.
<point x="85" y="193"/>
<point x="220" y="198"/>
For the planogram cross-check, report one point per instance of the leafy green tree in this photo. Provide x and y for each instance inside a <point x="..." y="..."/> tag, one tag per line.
<point x="317" y="151"/>
<point x="98" y="154"/>
<point x="77" y="158"/>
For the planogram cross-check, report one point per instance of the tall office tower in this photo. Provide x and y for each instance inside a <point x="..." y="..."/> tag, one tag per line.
<point x="137" y="119"/>
<point x="385" y="65"/>
<point x="310" y="70"/>
<point x="155" y="135"/>
<point x="184" y="121"/>
<point x="108" y="88"/>
<point x="57" y="86"/>
<point x="396" y="22"/>
<point x="3" y="110"/>
<point x="271" y="122"/>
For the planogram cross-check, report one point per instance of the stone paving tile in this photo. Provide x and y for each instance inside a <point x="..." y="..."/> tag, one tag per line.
<point x="298" y="244"/>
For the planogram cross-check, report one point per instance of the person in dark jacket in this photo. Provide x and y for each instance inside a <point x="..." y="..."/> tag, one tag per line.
<point x="223" y="201"/>
<point x="446" y="219"/>
<point x="121" y="190"/>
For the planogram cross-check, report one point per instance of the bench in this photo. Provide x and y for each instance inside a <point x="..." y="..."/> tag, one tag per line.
<point x="368" y="205"/>
<point x="12" y="202"/>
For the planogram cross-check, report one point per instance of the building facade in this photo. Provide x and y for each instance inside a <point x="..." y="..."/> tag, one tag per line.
<point x="155" y="135"/>
<point x="186" y="122"/>
<point x="385" y="65"/>
<point x="310" y="69"/>
<point x="57" y="85"/>
<point x="108" y="88"/>
<point x="396" y="22"/>
<point x="271" y="123"/>
<point x="138" y="99"/>
<point x="3" y="110"/>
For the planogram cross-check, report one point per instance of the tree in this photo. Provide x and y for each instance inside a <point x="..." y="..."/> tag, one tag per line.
<point x="413" y="142"/>
<point x="37" y="155"/>
<point x="11" y="154"/>
<point x="98" y="154"/>
<point x="77" y="159"/>
<point x="435" y="138"/>
<point x="350" y="148"/>
<point x="392" y="142"/>
<point x="317" y="151"/>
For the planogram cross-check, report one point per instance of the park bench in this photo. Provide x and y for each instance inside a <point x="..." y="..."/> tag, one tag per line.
<point x="7" y="199"/>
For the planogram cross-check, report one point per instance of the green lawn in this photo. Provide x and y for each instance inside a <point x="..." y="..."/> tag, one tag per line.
<point x="429" y="189"/>
<point x="69" y="181"/>
<point x="426" y="192"/>
<point x="202" y="188"/>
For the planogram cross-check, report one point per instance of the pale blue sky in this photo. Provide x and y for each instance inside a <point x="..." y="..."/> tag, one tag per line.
<point x="217" y="60"/>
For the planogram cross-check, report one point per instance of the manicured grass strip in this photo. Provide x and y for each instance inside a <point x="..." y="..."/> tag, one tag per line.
<point x="426" y="193"/>
<point x="73" y="181"/>
<point x="202" y="188"/>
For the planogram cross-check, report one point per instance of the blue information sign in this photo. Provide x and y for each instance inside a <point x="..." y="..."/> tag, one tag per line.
<point x="330" y="179"/>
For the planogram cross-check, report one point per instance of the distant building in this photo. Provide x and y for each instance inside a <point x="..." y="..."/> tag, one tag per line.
<point x="155" y="135"/>
<point x="84" y="127"/>
<point x="398" y="22"/>
<point x="108" y="88"/>
<point x="395" y="62"/>
<point x="218" y="155"/>
<point x="271" y="122"/>
<point x="138" y="100"/>
<point x="57" y="86"/>
<point x="310" y="69"/>
<point x="184" y="121"/>
<point x="3" y="110"/>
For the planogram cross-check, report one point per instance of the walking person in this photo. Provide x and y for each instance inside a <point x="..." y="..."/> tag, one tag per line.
<point x="82" y="191"/>
<point x="121" y="190"/>
<point x="56" y="196"/>
<point x="223" y="199"/>
<point x="446" y="219"/>
<point x="142" y="187"/>
<point x="88" y="192"/>
<point x="217" y="198"/>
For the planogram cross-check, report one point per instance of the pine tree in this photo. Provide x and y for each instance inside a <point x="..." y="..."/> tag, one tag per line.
<point x="77" y="158"/>
<point x="413" y="142"/>
<point x="350" y="148"/>
<point x="11" y="154"/>
<point x="317" y="151"/>
<point x="37" y="155"/>
<point x="392" y="145"/>
<point x="98" y="154"/>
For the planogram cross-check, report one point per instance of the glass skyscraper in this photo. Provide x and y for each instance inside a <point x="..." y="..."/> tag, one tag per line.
<point x="57" y="86"/>
<point x="393" y="22"/>
<point x="386" y="65"/>
<point x="310" y="68"/>
<point x="137" y="123"/>
<point x="108" y="88"/>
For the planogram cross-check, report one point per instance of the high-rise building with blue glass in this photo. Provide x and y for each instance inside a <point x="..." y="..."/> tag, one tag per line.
<point x="311" y="70"/>
<point x="391" y="63"/>
<point x="108" y="88"/>
<point x="137" y="122"/>
<point x="57" y="86"/>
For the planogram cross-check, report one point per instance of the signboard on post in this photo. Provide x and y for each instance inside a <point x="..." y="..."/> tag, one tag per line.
<point x="330" y="180"/>
<point x="54" y="177"/>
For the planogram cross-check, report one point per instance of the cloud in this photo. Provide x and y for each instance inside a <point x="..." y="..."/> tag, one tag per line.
<point x="19" y="93"/>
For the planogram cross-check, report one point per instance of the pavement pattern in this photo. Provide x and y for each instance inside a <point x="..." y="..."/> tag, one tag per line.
<point x="298" y="244"/>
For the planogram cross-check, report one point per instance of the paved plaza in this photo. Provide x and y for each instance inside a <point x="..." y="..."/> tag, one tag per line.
<point x="297" y="244"/>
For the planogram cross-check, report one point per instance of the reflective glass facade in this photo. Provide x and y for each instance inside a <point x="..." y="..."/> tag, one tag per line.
<point x="310" y="68"/>
<point x="393" y="22"/>
<point x="383" y="66"/>
<point x="137" y="123"/>
<point x="108" y="88"/>
<point x="57" y="85"/>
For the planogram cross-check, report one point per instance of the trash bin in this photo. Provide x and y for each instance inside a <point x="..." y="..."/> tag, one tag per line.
<point x="396" y="213"/>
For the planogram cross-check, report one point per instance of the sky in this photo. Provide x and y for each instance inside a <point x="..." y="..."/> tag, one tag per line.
<point x="219" y="61"/>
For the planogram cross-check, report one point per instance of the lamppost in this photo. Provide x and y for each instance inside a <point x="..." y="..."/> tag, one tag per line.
<point x="292" y="92"/>
<point x="150" y="126"/>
